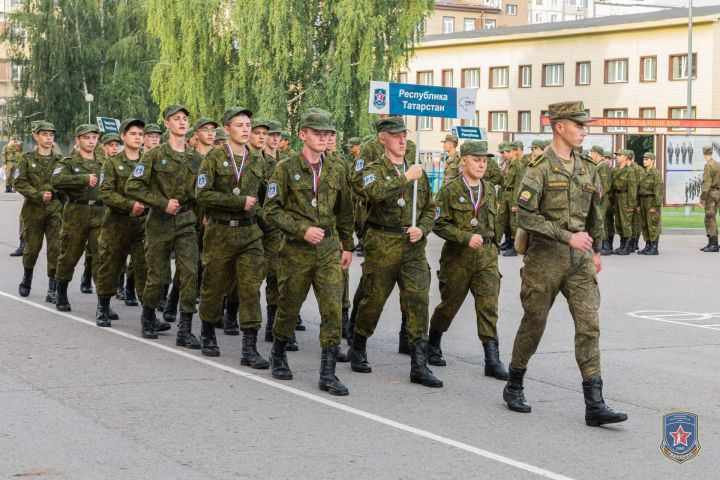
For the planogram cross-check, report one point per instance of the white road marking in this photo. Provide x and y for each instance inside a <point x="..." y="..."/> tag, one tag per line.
<point x="312" y="397"/>
<point x="680" y="318"/>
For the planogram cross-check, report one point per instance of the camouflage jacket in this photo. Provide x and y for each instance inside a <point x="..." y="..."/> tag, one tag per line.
<point x="33" y="173"/>
<point x="651" y="183"/>
<point x="454" y="212"/>
<point x="72" y="176"/>
<point x="711" y="177"/>
<point x="625" y="181"/>
<point x="115" y="173"/>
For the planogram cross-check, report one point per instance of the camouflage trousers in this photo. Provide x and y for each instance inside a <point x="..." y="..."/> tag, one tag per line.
<point x="272" y="241"/>
<point x="40" y="220"/>
<point x="9" y="168"/>
<point x="360" y="215"/>
<point x="163" y="234"/>
<point x="391" y="259"/>
<point x="650" y="221"/>
<point x="551" y="268"/>
<point x="80" y="231"/>
<point x="608" y="215"/>
<point x="303" y="265"/>
<point x="464" y="270"/>
<point x="507" y="219"/>
<point x="120" y="235"/>
<point x="637" y="221"/>
<point x="623" y="218"/>
<point x="712" y="198"/>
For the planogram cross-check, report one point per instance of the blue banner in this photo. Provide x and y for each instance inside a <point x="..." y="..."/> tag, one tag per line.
<point x="468" y="133"/>
<point x="422" y="100"/>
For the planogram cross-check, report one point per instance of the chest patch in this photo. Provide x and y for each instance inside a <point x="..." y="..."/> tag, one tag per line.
<point x="368" y="179"/>
<point x="139" y="170"/>
<point x="272" y="190"/>
<point x="359" y="165"/>
<point x="437" y="213"/>
<point x="201" y="180"/>
<point x="57" y="170"/>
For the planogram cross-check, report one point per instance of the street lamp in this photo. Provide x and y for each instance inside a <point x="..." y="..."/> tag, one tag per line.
<point x="89" y="99"/>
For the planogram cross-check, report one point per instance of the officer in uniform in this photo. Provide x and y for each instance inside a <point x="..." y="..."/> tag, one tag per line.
<point x="709" y="198"/>
<point x="452" y="161"/>
<point x="395" y="249"/>
<point x="624" y="189"/>
<point x="308" y="199"/>
<point x="559" y="206"/>
<point x="510" y="183"/>
<point x="650" y="196"/>
<point x="466" y="209"/>
<point x="10" y="154"/>
<point x="596" y="152"/>
<point x="41" y="213"/>
<point x="164" y="180"/>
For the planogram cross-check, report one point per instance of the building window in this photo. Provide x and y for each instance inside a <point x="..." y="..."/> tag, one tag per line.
<point x="499" y="77"/>
<point x="616" y="71"/>
<point x="16" y="72"/>
<point x="447" y="81"/>
<point x="553" y="75"/>
<point x="538" y="2"/>
<point x="648" y="69"/>
<point x="424" y="78"/>
<point x="582" y="73"/>
<point x="511" y="9"/>
<point x="475" y="122"/>
<point x="469" y="24"/>
<point x="679" y="67"/>
<point x="498" y="121"/>
<point x="616" y="113"/>
<point x="553" y="17"/>
<point x="538" y="18"/>
<point x="525" y="76"/>
<point x="490" y="23"/>
<point x="647" y="113"/>
<point x="678" y="113"/>
<point x="471" y="78"/>
<point x="546" y="128"/>
<point x="448" y="24"/>
<point x="402" y="77"/>
<point x="524" y="121"/>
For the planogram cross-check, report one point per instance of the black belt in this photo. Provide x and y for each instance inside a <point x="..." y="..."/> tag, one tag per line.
<point x="384" y="228"/>
<point x="186" y="207"/>
<point x="91" y="203"/>
<point x="619" y="191"/>
<point x="241" y="222"/>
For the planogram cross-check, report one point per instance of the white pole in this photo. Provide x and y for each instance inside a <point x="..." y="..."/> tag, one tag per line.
<point x="688" y="115"/>
<point x="417" y="161"/>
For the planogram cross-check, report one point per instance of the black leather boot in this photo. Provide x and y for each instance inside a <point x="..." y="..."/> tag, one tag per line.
<point x="26" y="282"/>
<point x="147" y="323"/>
<point x="250" y="356"/>
<point x="625" y="246"/>
<point x="653" y="248"/>
<point x="292" y="344"/>
<point x="185" y="338"/>
<point x="163" y="298"/>
<point x="208" y="341"/>
<point x="340" y="356"/>
<point x="596" y="412"/>
<point x="605" y="249"/>
<point x="112" y="315"/>
<point x="18" y="252"/>
<point x="170" y="308"/>
<point x="86" y="279"/>
<point x="514" y="394"/>
<point x="61" y="299"/>
<point x="712" y="246"/>
<point x="102" y="317"/>
<point x="130" y="296"/>
<point x="510" y="251"/>
<point x="120" y="290"/>
<point x="403" y="346"/>
<point x="434" y="352"/>
<point x="419" y="372"/>
<point x="636" y="243"/>
<point x="328" y="381"/>
<point x="52" y="288"/>
<point x="702" y="249"/>
<point x="358" y="355"/>
<point x="278" y="361"/>
<point x="494" y="367"/>
<point x="299" y="325"/>
<point x="645" y="249"/>
<point x="622" y="245"/>
<point x="345" y="321"/>
<point x="230" y="320"/>
<point x="271" y="309"/>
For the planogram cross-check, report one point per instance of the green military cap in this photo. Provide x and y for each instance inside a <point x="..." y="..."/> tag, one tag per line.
<point x="189" y="134"/>
<point x="130" y="122"/>
<point x="15" y="137"/>
<point x="597" y="148"/>
<point x="204" y="121"/>
<point x="649" y="155"/>
<point x="42" y="125"/>
<point x="220" y="134"/>
<point x="608" y="154"/>
<point x="547" y="143"/>
<point x="519" y="144"/>
<point x="391" y="125"/>
<point x="501" y="146"/>
<point x="275" y="127"/>
<point x="315" y="119"/>
<point x="630" y="153"/>
<point x="171" y="110"/>
<point x="451" y="138"/>
<point x="707" y="149"/>
<point x="109" y="137"/>
<point x="234" y="112"/>
<point x="537" y="144"/>
<point x="153" y="128"/>
<point x="354" y="142"/>
<point x="625" y="153"/>
<point x="256" y="122"/>
<point x="574" y="111"/>
<point x="475" y="147"/>
<point x="513" y="145"/>
<point x="284" y="135"/>
<point x="86" y="128"/>
<point x="367" y="138"/>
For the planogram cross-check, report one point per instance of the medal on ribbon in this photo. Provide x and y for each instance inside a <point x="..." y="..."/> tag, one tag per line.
<point x="316" y="179"/>
<point x="401" y="200"/>
<point x="238" y="172"/>
<point x="475" y="201"/>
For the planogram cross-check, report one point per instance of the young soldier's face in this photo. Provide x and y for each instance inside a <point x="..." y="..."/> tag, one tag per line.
<point x="151" y="140"/>
<point x="258" y="136"/>
<point x="648" y="162"/>
<point x="87" y="142"/>
<point x="238" y="129"/>
<point x="622" y="160"/>
<point x="111" y="148"/>
<point x="273" y="140"/>
<point x="315" y="140"/>
<point x="44" y="138"/>
<point x="395" y="143"/>
<point x="283" y="143"/>
<point x="448" y="146"/>
<point x="177" y="123"/>
<point x="355" y="150"/>
<point x="474" y="166"/>
<point x="571" y="133"/>
<point x="332" y="142"/>
<point x="218" y="144"/>
<point x="132" y="137"/>
<point x="206" y="134"/>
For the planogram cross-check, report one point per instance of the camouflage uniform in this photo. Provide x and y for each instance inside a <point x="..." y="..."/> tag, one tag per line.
<point x="507" y="219"/>
<point x="650" y="195"/>
<point x="710" y="196"/>
<point x="332" y="156"/>
<point x="636" y="228"/>
<point x="10" y="158"/>
<point x="452" y="168"/>
<point x="624" y="188"/>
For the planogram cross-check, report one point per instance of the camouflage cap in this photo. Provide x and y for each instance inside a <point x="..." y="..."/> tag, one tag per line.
<point x="316" y="120"/>
<point x="284" y="136"/>
<point x="475" y="147"/>
<point x="109" y="137"/>
<point x="519" y="144"/>
<point x="42" y="125"/>
<point x="625" y="153"/>
<point x="607" y="154"/>
<point x="649" y="155"/>
<point x="451" y="138"/>
<point x="204" y="121"/>
<point x="707" y="149"/>
<point x="353" y="142"/>
<point x="190" y="133"/>
<point x="501" y="146"/>
<point x="275" y="127"/>
<point x="86" y="128"/>
<point x="220" y="134"/>
<point x="390" y="125"/>
<point x="547" y="143"/>
<point x="508" y="147"/>
<point x="367" y="138"/>
<point x="630" y="153"/>
<point x="171" y="110"/>
<point x="131" y="122"/>
<point x="513" y="145"/>
<point x="15" y="137"/>
<point x="537" y="144"/>
<point x="256" y="122"/>
<point x="597" y="149"/>
<point x="574" y="111"/>
<point x="153" y="128"/>
<point x="234" y="112"/>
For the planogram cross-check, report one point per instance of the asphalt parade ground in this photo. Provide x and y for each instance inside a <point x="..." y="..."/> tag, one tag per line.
<point x="81" y="402"/>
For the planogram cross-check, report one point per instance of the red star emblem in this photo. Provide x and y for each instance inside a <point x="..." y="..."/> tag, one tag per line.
<point x="379" y="97"/>
<point x="680" y="436"/>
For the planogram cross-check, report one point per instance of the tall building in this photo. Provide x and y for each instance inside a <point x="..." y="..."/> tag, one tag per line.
<point x="550" y="11"/>
<point x="452" y="16"/>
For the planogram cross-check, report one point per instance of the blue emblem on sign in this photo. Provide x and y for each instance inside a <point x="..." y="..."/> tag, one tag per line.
<point x="139" y="170"/>
<point x="201" y="180"/>
<point x="680" y="441"/>
<point x="272" y="190"/>
<point x="437" y="213"/>
<point x="370" y="178"/>
<point x="359" y="165"/>
<point x="379" y="98"/>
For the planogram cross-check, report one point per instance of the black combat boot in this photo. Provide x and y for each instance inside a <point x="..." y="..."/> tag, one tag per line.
<point x="26" y="282"/>
<point x="653" y="248"/>
<point x="292" y="344"/>
<point x="341" y="356"/>
<point x="328" y="381"/>
<point x="61" y="299"/>
<point x="130" y="296"/>
<point x="271" y="309"/>
<point x="514" y="394"/>
<point x="170" y="308"/>
<point x="147" y="323"/>
<point x="185" y="338"/>
<point x="419" y="372"/>
<point x="625" y="246"/>
<point x="278" y="361"/>
<point x="358" y="355"/>
<point x="494" y="367"/>
<point x="164" y="297"/>
<point x="86" y="278"/>
<point x="510" y="251"/>
<point x="702" y="249"/>
<point x="52" y="288"/>
<point x="636" y="243"/>
<point x="230" y="320"/>
<point x="644" y="251"/>
<point x="112" y="315"/>
<point x="120" y="290"/>
<point x="403" y="346"/>
<point x="596" y="412"/>
<point x="345" y="322"/>
<point x="250" y="356"/>
<point x="102" y="317"/>
<point x="18" y="252"/>
<point x="606" y="248"/>
<point x="208" y="342"/>
<point x="713" y="246"/>
<point x="622" y="245"/>
<point x="434" y="352"/>
<point x="299" y="325"/>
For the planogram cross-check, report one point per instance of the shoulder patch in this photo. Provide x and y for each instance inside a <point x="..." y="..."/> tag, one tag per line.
<point x="272" y="190"/>
<point x="201" y="180"/>
<point x="57" y="170"/>
<point x="538" y="160"/>
<point x="369" y="178"/>
<point x="17" y="173"/>
<point x="139" y="170"/>
<point x="526" y="194"/>
<point x="102" y="177"/>
<point x="437" y="213"/>
<point x="359" y="165"/>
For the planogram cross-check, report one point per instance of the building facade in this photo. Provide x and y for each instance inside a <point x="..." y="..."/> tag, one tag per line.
<point x="452" y="16"/>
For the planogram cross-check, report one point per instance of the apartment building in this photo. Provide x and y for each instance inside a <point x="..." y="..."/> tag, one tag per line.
<point x="452" y="16"/>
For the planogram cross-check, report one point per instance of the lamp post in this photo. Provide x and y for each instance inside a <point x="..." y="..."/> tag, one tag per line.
<point x="89" y="99"/>
<point x="3" y="105"/>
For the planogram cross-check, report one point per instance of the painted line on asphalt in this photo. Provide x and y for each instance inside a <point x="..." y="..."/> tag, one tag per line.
<point x="312" y="397"/>
<point x="661" y="318"/>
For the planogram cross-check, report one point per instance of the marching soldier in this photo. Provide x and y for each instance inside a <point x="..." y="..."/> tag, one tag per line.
<point x="636" y="229"/>
<point x="650" y="196"/>
<point x="624" y="189"/>
<point x="10" y="154"/>
<point x="559" y="206"/>
<point x="709" y="198"/>
<point x="452" y="161"/>
<point x="152" y="136"/>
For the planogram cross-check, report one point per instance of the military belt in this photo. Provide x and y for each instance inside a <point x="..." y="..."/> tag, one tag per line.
<point x="186" y="207"/>
<point x="384" y="228"/>
<point x="91" y="203"/>
<point x="241" y="222"/>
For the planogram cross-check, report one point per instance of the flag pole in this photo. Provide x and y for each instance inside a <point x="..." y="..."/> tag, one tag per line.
<point x="417" y="161"/>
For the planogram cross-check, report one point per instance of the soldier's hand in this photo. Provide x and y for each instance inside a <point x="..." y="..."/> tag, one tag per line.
<point x="47" y="196"/>
<point x="137" y="210"/>
<point x="415" y="234"/>
<point x="345" y="260"/>
<point x="414" y="172"/>
<point x="476" y="241"/>
<point x="205" y="221"/>
<point x="581" y="241"/>
<point x="629" y="210"/>
<point x="93" y="180"/>
<point x="173" y="206"/>
<point x="314" y="235"/>
<point x="250" y="203"/>
<point x="597" y="262"/>
<point x="652" y="210"/>
<point x="513" y="209"/>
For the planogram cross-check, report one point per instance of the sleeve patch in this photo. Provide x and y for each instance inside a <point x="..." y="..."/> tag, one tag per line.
<point x="102" y="177"/>
<point x="359" y="165"/>
<point x="17" y="173"/>
<point x="201" y="180"/>
<point x="272" y="190"/>
<point x="57" y="170"/>
<point x="437" y="213"/>
<point x="139" y="170"/>
<point x="368" y="179"/>
<point x="526" y="194"/>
